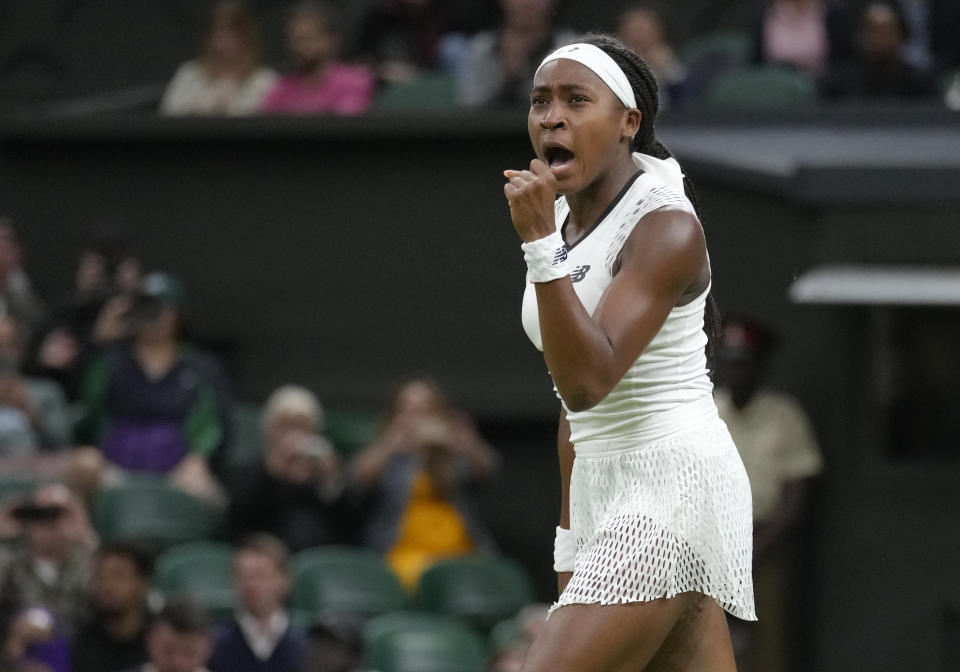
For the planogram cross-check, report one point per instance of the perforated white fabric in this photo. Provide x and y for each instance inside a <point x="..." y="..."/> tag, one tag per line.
<point x="661" y="519"/>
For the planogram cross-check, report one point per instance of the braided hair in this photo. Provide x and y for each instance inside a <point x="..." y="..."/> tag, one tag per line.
<point x="647" y="93"/>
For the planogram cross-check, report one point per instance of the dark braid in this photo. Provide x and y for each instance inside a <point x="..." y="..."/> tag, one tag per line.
<point x="645" y="89"/>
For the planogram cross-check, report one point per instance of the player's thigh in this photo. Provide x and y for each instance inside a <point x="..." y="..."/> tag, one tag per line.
<point x="698" y="642"/>
<point x="606" y="638"/>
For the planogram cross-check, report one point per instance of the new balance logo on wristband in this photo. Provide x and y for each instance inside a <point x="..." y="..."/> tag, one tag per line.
<point x="560" y="255"/>
<point x="579" y="273"/>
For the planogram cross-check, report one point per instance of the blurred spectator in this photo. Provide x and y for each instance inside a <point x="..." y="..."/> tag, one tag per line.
<point x="811" y="35"/>
<point x="419" y="475"/>
<point x="156" y="404"/>
<point x="931" y="33"/>
<point x="44" y="562"/>
<point x="499" y="64"/>
<point x="641" y="28"/>
<point x="319" y="83"/>
<point x="114" y="636"/>
<point x="178" y="639"/>
<point x="299" y="475"/>
<point x="107" y="274"/>
<point x="260" y="637"/>
<point x="780" y="454"/>
<point x="33" y="411"/>
<point x="880" y="70"/>
<point x="16" y="295"/>
<point x="403" y="38"/>
<point x="228" y="78"/>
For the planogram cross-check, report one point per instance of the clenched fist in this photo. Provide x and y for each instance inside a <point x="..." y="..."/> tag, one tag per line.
<point x="531" y="194"/>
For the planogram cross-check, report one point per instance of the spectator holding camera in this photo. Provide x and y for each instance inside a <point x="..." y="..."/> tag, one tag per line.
<point x="299" y="474"/>
<point x="107" y="274"/>
<point x="155" y="404"/>
<point x="44" y="561"/>
<point x="418" y="479"/>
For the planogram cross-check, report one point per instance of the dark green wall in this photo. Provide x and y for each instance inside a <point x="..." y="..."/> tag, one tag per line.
<point x="344" y="254"/>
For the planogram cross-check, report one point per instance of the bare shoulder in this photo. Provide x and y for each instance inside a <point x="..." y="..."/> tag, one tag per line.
<point x="667" y="243"/>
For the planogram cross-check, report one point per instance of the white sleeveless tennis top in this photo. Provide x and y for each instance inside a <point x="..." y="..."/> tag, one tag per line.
<point x="668" y="386"/>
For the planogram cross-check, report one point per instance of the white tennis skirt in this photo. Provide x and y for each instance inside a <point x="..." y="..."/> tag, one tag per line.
<point x="658" y="518"/>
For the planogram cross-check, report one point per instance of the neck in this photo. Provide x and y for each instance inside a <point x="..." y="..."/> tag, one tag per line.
<point x="317" y="70"/>
<point x="263" y="618"/>
<point x="127" y="624"/>
<point x="588" y="204"/>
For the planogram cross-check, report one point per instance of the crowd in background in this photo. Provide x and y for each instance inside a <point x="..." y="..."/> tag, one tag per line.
<point x="412" y="53"/>
<point x="105" y="388"/>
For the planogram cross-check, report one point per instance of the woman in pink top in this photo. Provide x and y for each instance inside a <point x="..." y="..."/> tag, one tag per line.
<point x="318" y="84"/>
<point x="807" y="34"/>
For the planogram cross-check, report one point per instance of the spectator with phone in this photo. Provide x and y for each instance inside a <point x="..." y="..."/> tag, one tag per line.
<point x="47" y="542"/>
<point x="155" y="404"/>
<point x="299" y="474"/>
<point x="418" y="482"/>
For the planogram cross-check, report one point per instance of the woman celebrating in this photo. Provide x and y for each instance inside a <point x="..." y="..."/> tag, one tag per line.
<point x="655" y="524"/>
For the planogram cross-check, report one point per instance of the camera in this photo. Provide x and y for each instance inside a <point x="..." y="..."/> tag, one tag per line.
<point x="28" y="512"/>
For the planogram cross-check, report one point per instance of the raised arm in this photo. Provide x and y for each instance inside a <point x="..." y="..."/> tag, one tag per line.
<point x="587" y="355"/>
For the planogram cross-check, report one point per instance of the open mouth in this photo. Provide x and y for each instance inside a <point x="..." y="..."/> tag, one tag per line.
<point x="557" y="157"/>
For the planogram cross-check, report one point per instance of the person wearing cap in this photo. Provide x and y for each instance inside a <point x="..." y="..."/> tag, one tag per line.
<point x="654" y="541"/>
<point x="155" y="404"/>
<point x="46" y="544"/>
<point x="780" y="453"/>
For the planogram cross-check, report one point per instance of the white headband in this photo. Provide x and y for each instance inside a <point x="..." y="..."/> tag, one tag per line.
<point x="600" y="63"/>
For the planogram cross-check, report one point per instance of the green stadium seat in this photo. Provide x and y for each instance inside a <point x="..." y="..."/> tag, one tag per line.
<point x="421" y="642"/>
<point x="351" y="428"/>
<point x="341" y="579"/>
<point x="761" y="87"/>
<point x="154" y="512"/>
<point x="482" y="590"/>
<point x="731" y="46"/>
<point x="17" y="485"/>
<point x="202" y="569"/>
<point x="246" y="439"/>
<point x="435" y="91"/>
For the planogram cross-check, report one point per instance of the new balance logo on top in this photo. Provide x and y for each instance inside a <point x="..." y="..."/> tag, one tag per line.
<point x="579" y="273"/>
<point x="560" y="256"/>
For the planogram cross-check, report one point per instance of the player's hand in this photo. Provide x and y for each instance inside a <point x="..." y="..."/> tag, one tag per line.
<point x="531" y="194"/>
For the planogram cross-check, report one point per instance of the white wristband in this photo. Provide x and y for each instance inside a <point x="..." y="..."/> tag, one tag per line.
<point x="546" y="258"/>
<point x="564" y="550"/>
